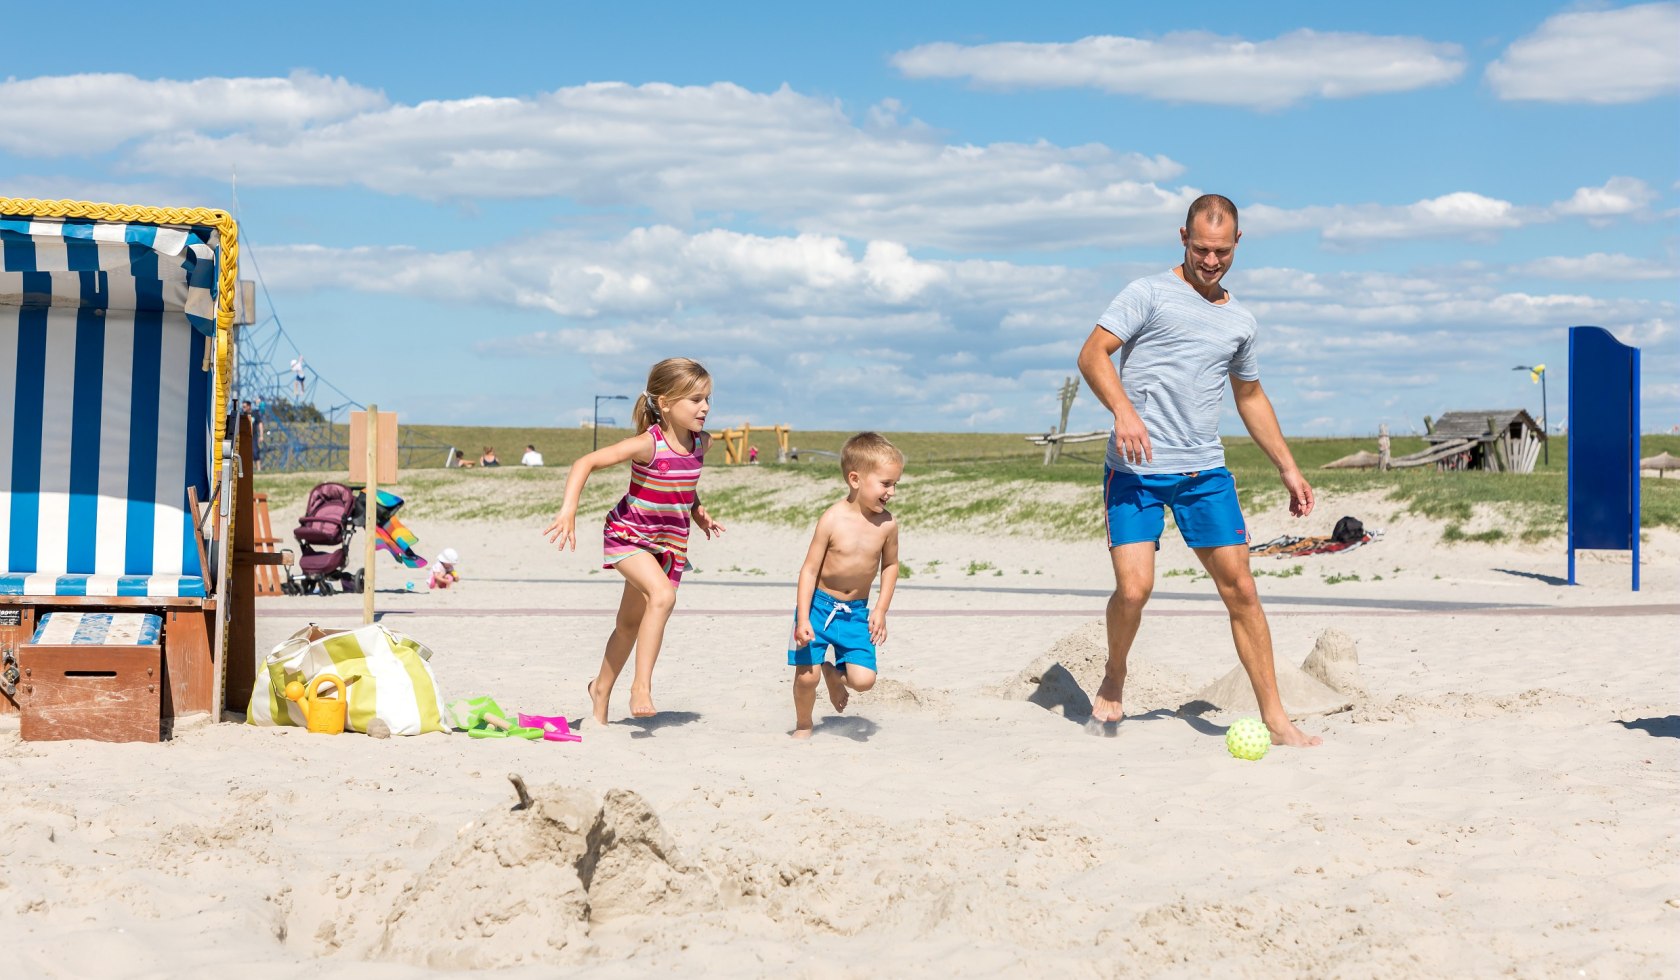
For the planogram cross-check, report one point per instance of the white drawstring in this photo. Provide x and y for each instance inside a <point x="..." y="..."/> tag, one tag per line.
<point x="838" y="608"/>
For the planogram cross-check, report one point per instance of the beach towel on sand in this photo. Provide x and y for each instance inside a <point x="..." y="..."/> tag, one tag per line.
<point x="396" y="685"/>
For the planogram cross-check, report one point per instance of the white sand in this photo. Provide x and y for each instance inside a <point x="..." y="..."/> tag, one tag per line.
<point x="1500" y="801"/>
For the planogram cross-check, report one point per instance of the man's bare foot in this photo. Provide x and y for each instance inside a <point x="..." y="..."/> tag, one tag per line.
<point x="1106" y="708"/>
<point x="801" y="733"/>
<point x="837" y="693"/>
<point x="597" y="706"/>
<point x="1288" y="734"/>
<point x="641" y="702"/>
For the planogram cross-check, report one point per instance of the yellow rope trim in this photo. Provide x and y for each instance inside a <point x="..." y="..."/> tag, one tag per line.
<point x="227" y="275"/>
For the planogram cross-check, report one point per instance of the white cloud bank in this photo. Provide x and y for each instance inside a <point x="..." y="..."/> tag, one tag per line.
<point x="1201" y="68"/>
<point x="1594" y="56"/>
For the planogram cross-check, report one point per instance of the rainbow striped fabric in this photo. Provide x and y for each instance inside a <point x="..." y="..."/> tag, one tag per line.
<point x="653" y="515"/>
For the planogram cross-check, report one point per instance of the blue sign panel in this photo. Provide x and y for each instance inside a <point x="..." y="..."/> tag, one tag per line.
<point x="1603" y="445"/>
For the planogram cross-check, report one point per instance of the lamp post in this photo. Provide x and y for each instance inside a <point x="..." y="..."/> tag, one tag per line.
<point x="595" y="430"/>
<point x="1539" y="373"/>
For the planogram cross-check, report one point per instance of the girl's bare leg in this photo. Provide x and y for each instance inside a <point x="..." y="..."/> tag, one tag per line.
<point x="630" y="608"/>
<point x="659" y="596"/>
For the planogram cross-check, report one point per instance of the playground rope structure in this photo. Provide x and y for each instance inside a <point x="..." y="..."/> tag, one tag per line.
<point x="227" y="274"/>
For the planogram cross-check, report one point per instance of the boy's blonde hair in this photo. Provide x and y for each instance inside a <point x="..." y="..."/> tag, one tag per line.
<point x="865" y="451"/>
<point x="673" y="377"/>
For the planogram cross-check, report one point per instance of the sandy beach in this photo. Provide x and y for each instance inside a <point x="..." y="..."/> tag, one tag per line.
<point x="1498" y="801"/>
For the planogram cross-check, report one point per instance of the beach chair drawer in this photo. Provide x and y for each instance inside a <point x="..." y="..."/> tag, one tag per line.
<point x="103" y="693"/>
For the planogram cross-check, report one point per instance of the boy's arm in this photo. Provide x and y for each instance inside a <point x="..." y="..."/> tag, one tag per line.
<point x="889" y="580"/>
<point x="802" y="630"/>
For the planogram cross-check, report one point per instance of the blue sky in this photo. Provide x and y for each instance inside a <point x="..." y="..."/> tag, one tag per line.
<point x="893" y="215"/>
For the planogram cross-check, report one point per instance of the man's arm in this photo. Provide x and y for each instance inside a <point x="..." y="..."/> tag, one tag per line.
<point x="1261" y="420"/>
<point x="1096" y="363"/>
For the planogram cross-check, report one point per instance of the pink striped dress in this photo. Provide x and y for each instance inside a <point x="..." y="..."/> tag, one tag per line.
<point x="653" y="515"/>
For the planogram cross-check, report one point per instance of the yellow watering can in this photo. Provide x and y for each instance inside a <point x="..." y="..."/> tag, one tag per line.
<point x="324" y="715"/>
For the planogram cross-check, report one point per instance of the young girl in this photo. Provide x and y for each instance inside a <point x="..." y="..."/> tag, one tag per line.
<point x="646" y="534"/>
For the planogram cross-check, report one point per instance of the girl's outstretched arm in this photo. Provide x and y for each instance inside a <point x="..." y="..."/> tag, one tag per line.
<point x="563" y="532"/>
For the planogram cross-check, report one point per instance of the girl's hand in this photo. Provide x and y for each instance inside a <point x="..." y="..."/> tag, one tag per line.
<point x="803" y="634"/>
<point x="704" y="522"/>
<point x="877" y="626"/>
<point x="563" y="532"/>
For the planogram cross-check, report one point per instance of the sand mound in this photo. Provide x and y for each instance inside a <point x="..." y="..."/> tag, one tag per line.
<point x="524" y="886"/>
<point x="1302" y="694"/>
<point x="898" y="694"/>
<point x="1063" y="678"/>
<point x="1334" y="662"/>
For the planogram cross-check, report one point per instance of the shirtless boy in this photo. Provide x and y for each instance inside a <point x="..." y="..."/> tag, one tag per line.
<point x="854" y="537"/>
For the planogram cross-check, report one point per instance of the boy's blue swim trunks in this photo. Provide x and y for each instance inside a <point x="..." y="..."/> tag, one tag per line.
<point x="842" y="625"/>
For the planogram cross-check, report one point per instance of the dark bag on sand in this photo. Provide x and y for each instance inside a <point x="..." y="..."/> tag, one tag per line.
<point x="1348" y="530"/>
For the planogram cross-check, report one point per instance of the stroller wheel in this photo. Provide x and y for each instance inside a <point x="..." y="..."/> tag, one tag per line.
<point x="361" y="581"/>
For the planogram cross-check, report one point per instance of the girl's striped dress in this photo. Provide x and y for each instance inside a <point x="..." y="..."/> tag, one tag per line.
<point x="653" y="515"/>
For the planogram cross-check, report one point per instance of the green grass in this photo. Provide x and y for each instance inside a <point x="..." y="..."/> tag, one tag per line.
<point x="992" y="481"/>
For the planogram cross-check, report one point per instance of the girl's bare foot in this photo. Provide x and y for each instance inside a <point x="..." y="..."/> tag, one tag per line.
<point x="837" y="693"/>
<point x="641" y="702"/>
<point x="1288" y="734"/>
<point x="597" y="706"/>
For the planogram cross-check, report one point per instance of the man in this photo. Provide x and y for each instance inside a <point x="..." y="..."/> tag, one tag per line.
<point x="1181" y="335"/>
<point x="531" y="457"/>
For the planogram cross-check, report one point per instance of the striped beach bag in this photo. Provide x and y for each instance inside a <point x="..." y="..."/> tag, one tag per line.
<point x="394" y="681"/>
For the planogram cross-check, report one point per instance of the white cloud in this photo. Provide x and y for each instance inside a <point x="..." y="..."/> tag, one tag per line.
<point x="1456" y="215"/>
<point x="92" y="113"/>
<point x="1199" y="67"/>
<point x="794" y="159"/>
<point x="1594" y="56"/>
<point x="1617" y="196"/>
<point x="1597" y="267"/>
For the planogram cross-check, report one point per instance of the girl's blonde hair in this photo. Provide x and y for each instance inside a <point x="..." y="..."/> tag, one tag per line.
<point x="673" y="377"/>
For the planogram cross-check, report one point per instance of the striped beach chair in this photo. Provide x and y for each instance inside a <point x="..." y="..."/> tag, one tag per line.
<point x="114" y="364"/>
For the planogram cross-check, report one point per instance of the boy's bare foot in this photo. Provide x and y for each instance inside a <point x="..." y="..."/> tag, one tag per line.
<point x="641" y="702"/>
<point x="801" y="733"/>
<point x="1106" y="708"/>
<point x="1288" y="734"/>
<point x="837" y="693"/>
<point x="597" y="706"/>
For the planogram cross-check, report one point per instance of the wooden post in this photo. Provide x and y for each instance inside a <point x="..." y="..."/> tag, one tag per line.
<point x="1501" y="462"/>
<point x="1383" y="456"/>
<point x="370" y="549"/>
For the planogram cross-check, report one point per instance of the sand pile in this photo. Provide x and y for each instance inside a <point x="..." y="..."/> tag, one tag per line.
<point x="525" y="886"/>
<point x="1063" y="678"/>
<point x="1326" y="682"/>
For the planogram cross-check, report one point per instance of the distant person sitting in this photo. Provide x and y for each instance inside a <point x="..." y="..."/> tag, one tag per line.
<point x="489" y="458"/>
<point x="460" y="459"/>
<point x="531" y="457"/>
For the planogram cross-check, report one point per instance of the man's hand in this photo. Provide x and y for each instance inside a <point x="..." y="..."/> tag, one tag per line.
<point x="1300" y="492"/>
<point x="1130" y="435"/>
<point x="803" y="634"/>
<point x="704" y="522"/>
<point x="877" y="626"/>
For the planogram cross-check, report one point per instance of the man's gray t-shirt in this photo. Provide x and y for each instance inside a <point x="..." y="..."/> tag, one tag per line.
<point x="1177" y="352"/>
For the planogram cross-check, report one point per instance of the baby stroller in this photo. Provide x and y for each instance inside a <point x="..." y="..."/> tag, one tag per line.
<point x="324" y="531"/>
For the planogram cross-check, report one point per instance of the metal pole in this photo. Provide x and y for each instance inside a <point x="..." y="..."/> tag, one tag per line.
<point x="595" y="427"/>
<point x="369" y="548"/>
<point x="1545" y="423"/>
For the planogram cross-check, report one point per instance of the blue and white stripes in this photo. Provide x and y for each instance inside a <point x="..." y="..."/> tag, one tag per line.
<point x="104" y="408"/>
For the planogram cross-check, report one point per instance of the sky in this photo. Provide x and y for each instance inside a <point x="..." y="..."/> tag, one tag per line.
<point x="894" y="216"/>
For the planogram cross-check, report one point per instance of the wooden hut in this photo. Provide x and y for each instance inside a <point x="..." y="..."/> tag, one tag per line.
<point x="1502" y="439"/>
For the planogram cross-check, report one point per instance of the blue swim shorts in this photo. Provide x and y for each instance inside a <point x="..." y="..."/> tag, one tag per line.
<point x="842" y="625"/>
<point x="1204" y="505"/>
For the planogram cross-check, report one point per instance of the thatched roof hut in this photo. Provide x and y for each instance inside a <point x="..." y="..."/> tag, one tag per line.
<point x="1661" y="462"/>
